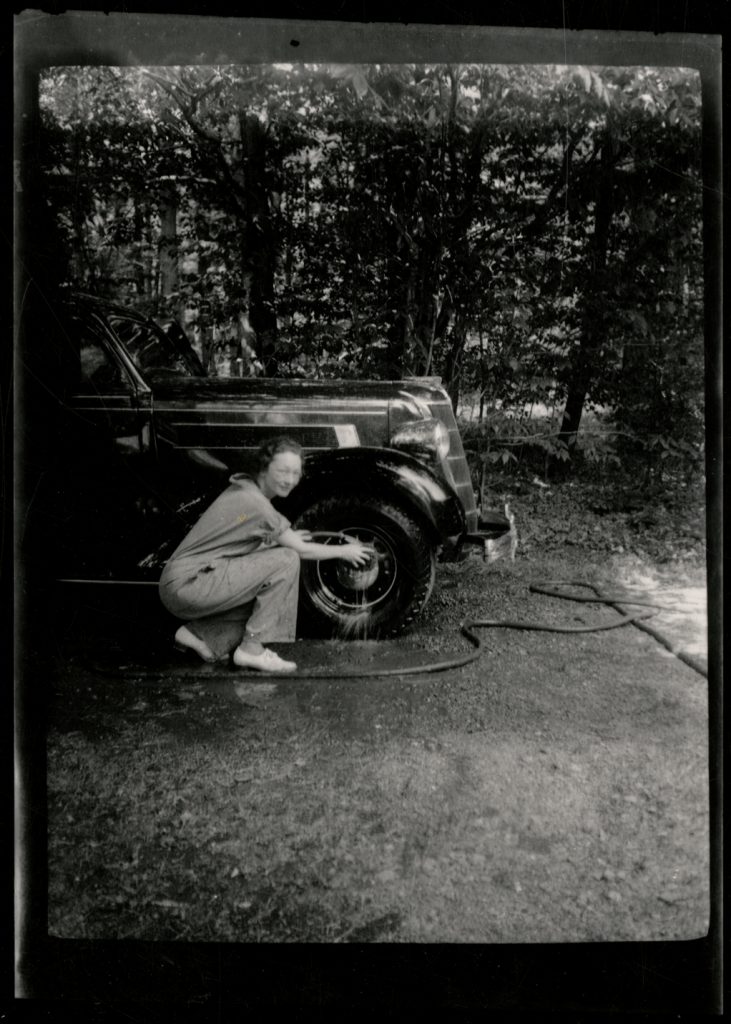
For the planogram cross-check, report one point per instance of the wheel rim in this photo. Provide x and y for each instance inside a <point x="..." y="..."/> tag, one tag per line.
<point x="343" y="590"/>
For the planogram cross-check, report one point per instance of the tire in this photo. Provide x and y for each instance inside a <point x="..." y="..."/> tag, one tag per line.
<point x="337" y="600"/>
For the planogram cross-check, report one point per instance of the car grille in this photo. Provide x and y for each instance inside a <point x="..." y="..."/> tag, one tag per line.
<point x="456" y="461"/>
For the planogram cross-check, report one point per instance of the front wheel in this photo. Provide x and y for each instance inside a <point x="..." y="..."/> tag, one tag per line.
<point x="379" y="599"/>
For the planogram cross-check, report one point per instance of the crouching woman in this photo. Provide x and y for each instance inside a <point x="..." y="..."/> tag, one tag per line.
<point x="234" y="579"/>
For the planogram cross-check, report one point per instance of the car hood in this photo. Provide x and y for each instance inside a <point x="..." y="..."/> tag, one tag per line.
<point x="251" y="388"/>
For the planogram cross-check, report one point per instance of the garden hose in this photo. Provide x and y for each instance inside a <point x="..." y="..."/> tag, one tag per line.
<point x="550" y="588"/>
<point x="614" y="601"/>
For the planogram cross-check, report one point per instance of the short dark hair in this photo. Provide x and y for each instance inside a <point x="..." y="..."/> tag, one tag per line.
<point x="273" y="447"/>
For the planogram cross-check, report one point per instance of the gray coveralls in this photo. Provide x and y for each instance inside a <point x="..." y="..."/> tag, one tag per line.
<point x="228" y="576"/>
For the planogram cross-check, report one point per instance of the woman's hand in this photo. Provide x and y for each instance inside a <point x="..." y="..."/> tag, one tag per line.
<point x="355" y="553"/>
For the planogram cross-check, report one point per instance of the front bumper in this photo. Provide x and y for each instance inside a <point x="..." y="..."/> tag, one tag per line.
<point x="496" y="534"/>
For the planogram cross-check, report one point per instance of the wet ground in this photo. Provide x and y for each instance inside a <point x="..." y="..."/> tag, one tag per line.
<point x="553" y="790"/>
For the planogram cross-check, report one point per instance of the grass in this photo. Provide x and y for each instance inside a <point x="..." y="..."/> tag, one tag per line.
<point x="217" y="842"/>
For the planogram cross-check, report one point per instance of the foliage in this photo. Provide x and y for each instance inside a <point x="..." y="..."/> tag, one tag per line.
<point x="657" y="529"/>
<point x="530" y="233"/>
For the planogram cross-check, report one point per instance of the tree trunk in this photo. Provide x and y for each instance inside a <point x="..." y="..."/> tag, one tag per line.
<point x="453" y="362"/>
<point x="398" y="334"/>
<point x="464" y="179"/>
<point x="483" y="383"/>
<point x="259" y="251"/>
<point x="168" y="245"/>
<point x="426" y="312"/>
<point x="594" y="304"/>
<point x="139" y="235"/>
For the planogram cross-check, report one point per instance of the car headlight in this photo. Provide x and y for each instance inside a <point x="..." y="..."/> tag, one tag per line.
<point x="423" y="437"/>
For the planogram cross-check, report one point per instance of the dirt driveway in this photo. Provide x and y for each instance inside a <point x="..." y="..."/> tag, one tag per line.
<point x="555" y="790"/>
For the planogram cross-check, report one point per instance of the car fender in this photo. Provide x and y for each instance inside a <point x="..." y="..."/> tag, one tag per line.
<point x="384" y="473"/>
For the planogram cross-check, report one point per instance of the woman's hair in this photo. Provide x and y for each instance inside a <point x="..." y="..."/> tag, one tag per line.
<point x="273" y="447"/>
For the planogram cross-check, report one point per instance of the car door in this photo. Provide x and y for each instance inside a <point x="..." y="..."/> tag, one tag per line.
<point x="105" y="457"/>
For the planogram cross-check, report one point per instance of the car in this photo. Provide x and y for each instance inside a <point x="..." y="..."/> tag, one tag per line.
<point x="142" y="440"/>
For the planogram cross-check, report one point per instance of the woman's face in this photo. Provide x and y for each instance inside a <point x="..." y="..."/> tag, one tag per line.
<point x="281" y="476"/>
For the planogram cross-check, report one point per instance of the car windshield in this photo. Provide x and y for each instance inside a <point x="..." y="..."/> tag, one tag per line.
<point x="152" y="349"/>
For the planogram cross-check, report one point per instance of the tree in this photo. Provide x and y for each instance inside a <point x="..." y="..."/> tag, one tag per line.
<point x="519" y="230"/>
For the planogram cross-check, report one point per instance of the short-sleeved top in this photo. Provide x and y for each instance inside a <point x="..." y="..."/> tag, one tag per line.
<point x="239" y="521"/>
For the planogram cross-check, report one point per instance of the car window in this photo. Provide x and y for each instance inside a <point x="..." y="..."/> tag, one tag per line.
<point x="98" y="371"/>
<point x="150" y="349"/>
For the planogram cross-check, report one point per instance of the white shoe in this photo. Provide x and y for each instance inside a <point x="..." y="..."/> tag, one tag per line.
<point x="267" y="661"/>
<point x="185" y="640"/>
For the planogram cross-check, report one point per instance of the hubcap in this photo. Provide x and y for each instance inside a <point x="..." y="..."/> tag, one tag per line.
<point x="358" y="577"/>
<point x="358" y="588"/>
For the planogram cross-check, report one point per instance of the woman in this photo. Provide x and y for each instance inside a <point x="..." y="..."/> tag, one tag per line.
<point x="235" y="577"/>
